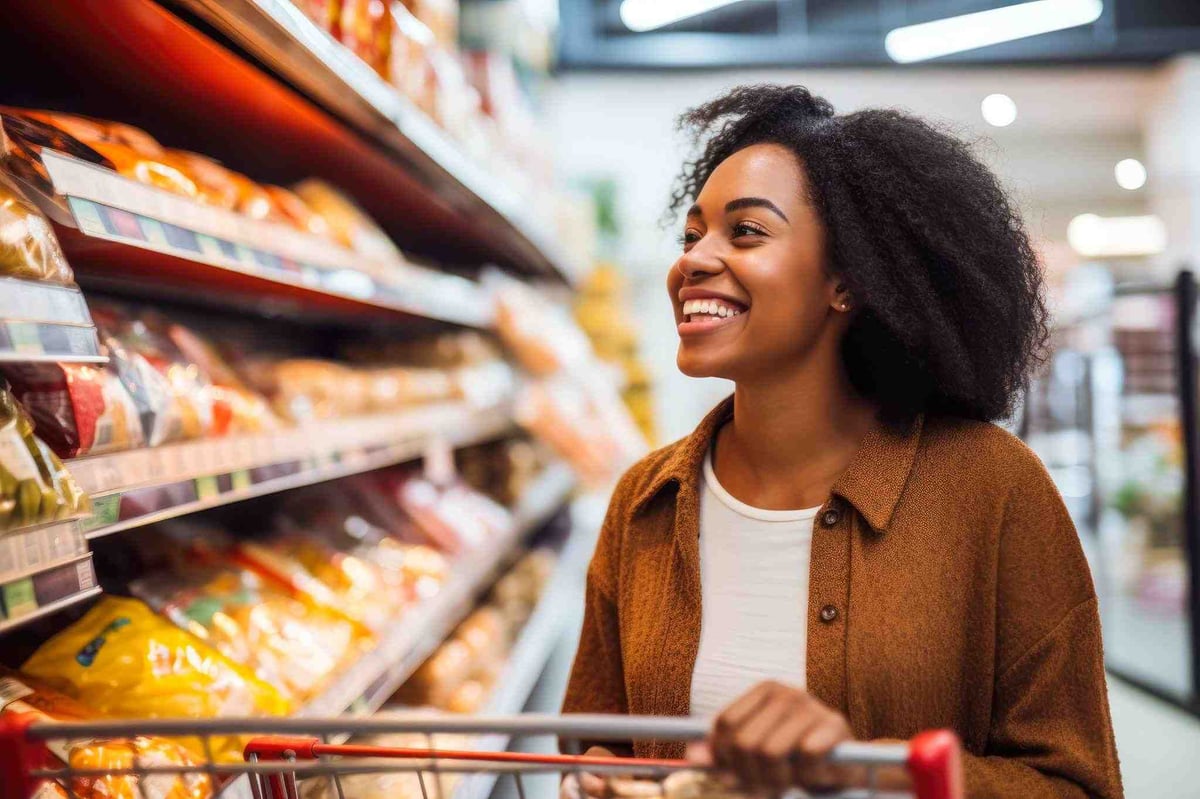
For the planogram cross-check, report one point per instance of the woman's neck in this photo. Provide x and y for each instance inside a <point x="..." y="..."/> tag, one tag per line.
<point x="791" y="436"/>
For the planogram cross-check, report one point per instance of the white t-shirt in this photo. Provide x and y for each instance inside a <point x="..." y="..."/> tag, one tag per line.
<point x="754" y="589"/>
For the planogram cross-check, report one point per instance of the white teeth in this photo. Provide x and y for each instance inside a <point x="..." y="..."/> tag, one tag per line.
<point x="717" y="308"/>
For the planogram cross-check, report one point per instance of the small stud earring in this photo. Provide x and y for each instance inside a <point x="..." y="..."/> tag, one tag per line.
<point x="843" y="307"/>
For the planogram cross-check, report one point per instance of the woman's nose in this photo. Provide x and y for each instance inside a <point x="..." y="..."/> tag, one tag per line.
<point x="700" y="261"/>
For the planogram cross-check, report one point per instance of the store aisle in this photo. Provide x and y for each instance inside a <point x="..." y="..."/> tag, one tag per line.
<point x="1159" y="745"/>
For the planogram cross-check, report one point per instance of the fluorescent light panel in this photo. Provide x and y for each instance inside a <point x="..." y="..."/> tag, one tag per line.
<point x="646" y="15"/>
<point x="981" y="29"/>
<point x="1108" y="237"/>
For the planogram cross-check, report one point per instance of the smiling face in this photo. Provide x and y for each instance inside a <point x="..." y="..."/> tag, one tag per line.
<point x="751" y="292"/>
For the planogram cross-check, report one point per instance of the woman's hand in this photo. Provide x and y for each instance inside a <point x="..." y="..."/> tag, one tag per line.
<point x="777" y="737"/>
<point x="585" y="785"/>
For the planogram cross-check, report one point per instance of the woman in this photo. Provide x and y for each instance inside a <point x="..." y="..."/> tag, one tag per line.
<point x="848" y="548"/>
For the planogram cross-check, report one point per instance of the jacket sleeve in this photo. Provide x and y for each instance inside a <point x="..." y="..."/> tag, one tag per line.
<point x="1051" y="733"/>
<point x="597" y="682"/>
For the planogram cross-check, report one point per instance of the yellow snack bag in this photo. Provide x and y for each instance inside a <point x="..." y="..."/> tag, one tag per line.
<point x="124" y="661"/>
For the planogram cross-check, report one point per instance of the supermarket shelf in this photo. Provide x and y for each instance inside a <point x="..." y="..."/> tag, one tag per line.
<point x="43" y="322"/>
<point x="279" y="34"/>
<point x="141" y="57"/>
<point x="533" y="649"/>
<point x="143" y="486"/>
<point x="29" y="597"/>
<point x="29" y="550"/>
<point x="366" y="686"/>
<point x="201" y="248"/>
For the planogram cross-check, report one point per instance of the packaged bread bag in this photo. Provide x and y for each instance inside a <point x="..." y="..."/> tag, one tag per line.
<point x="124" y="661"/>
<point x="21" y="695"/>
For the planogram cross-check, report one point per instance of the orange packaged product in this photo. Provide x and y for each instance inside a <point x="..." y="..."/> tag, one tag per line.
<point x="322" y="575"/>
<point x="89" y="131"/>
<point x="215" y="185"/>
<point x="23" y="695"/>
<point x="307" y="390"/>
<point x="291" y="209"/>
<point x="236" y="407"/>
<point x="326" y="13"/>
<point x="348" y="224"/>
<point x="366" y="28"/>
<point x="288" y="643"/>
<point x="152" y="172"/>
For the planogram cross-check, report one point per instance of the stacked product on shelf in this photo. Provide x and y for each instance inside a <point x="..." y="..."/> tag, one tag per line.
<point x="308" y="596"/>
<point x="26" y="697"/>
<point x="460" y="675"/>
<point x="600" y="311"/>
<point x="218" y="625"/>
<point x="35" y="487"/>
<point x="474" y="97"/>
<point x="570" y="402"/>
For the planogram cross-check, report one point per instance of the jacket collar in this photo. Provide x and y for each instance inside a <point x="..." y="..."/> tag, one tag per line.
<point x="872" y="483"/>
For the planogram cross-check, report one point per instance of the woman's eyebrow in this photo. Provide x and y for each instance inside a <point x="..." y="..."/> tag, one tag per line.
<point x="754" y="202"/>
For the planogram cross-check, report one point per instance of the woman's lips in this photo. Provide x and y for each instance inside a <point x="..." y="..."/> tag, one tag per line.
<point x="696" y="324"/>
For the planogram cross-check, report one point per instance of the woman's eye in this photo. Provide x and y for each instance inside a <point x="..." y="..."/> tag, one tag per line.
<point x="688" y="237"/>
<point x="747" y="229"/>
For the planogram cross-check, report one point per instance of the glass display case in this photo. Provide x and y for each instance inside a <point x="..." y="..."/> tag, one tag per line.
<point x="1114" y="417"/>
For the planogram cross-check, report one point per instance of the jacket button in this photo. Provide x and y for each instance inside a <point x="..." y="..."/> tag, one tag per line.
<point x="831" y="517"/>
<point x="829" y="614"/>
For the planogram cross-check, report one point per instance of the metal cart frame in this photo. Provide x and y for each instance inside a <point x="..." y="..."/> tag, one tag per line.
<point x="282" y="752"/>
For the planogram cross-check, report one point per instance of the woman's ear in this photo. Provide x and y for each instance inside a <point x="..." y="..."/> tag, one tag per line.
<point x="841" y="299"/>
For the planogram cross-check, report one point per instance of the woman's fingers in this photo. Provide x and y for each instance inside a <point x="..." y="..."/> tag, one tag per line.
<point x="593" y="785"/>
<point x="778" y="737"/>
<point x="816" y="772"/>
<point x="731" y="720"/>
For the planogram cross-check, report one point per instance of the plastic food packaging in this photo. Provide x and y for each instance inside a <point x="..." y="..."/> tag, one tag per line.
<point x="313" y="570"/>
<point x="34" y="485"/>
<point x="215" y="185"/>
<point x="541" y="335"/>
<point x="294" y="211"/>
<point x="78" y="409"/>
<point x="89" y="130"/>
<point x="157" y="407"/>
<point x="336" y="514"/>
<point x="23" y="139"/>
<point x="28" y="247"/>
<point x="131" y="151"/>
<point x="181" y="398"/>
<point x="323" y="12"/>
<point x="440" y="16"/>
<point x="151" y="171"/>
<point x="306" y="390"/>
<point x="397" y="784"/>
<point x="236" y="407"/>
<point x="348" y="224"/>
<point x="124" y="661"/>
<point x="452" y="518"/>
<point x="21" y="695"/>
<point x="410" y="68"/>
<point x="292" y="645"/>
<point x="365" y="26"/>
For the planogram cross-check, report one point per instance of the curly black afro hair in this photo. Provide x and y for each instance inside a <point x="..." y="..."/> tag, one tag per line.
<point x="950" y="317"/>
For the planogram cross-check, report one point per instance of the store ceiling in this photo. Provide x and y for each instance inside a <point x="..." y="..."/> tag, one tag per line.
<point x="851" y="33"/>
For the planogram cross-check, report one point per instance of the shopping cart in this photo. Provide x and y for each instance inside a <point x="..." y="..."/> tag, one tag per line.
<point x="306" y="759"/>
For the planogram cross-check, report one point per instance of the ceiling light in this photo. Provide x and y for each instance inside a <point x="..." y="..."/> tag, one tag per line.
<point x="1097" y="236"/>
<point x="645" y="15"/>
<point x="1131" y="174"/>
<point x="981" y="29"/>
<point x="998" y="110"/>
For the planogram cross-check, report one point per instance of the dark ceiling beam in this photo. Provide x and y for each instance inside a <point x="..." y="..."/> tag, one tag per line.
<point x="582" y="46"/>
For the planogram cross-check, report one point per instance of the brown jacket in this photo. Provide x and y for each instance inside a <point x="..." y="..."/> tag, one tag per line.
<point x="948" y="588"/>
